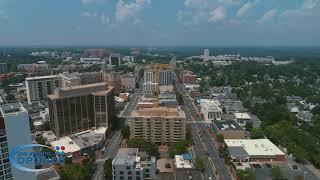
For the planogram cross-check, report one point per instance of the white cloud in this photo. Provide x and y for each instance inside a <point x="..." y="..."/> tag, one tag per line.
<point x="88" y="14"/>
<point x="267" y="16"/>
<point x="304" y="9"/>
<point x="3" y="15"/>
<point x="229" y="2"/>
<point x="196" y="4"/>
<point x="88" y="1"/>
<point x="104" y="19"/>
<point x="217" y="14"/>
<point x="246" y="8"/>
<point x="126" y="11"/>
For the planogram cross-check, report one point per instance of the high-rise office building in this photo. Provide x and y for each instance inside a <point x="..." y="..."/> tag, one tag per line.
<point x="158" y="124"/>
<point x="3" y="68"/>
<point x="206" y="53"/>
<point x="80" y="108"/>
<point x="14" y="131"/>
<point x="115" y="59"/>
<point x="39" y="87"/>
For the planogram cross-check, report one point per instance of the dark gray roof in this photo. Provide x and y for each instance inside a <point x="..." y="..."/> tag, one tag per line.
<point x="237" y="151"/>
<point x="227" y="125"/>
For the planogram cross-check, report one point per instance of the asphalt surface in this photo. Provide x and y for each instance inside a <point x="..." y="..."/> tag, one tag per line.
<point x="203" y="145"/>
<point x="109" y="152"/>
<point x="114" y="143"/>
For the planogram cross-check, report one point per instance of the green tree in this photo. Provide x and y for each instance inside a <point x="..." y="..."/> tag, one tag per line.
<point x="178" y="148"/>
<point x="247" y="174"/>
<point x="150" y="148"/>
<point x="126" y="132"/>
<point x="10" y="98"/>
<point x="108" y="169"/>
<point x="199" y="164"/>
<point x="248" y="126"/>
<point x="276" y="173"/>
<point x="220" y="138"/>
<point x="256" y="133"/>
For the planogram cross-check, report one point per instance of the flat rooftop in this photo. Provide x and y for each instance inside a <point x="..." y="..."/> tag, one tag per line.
<point x="68" y="143"/>
<point x="158" y="112"/>
<point x="255" y="147"/>
<point x="242" y="116"/>
<point x="12" y="108"/>
<point x="227" y="125"/>
<point x="126" y="156"/>
<point x="81" y="90"/>
<point x="41" y="77"/>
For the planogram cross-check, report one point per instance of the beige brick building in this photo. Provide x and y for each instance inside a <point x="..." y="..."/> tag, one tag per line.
<point x="158" y="124"/>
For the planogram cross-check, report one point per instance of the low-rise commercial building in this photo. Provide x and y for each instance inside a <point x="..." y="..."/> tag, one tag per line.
<point x="254" y="150"/>
<point x="230" y="130"/>
<point x="242" y="118"/>
<point x="129" y="165"/>
<point x="211" y="109"/>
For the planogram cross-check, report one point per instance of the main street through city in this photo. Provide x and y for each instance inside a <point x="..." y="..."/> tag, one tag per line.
<point x="203" y="144"/>
<point x="113" y="144"/>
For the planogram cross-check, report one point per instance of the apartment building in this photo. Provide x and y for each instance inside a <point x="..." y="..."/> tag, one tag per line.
<point x="80" y="108"/>
<point x="14" y="131"/>
<point x="129" y="165"/>
<point x="155" y="75"/>
<point x="158" y="124"/>
<point x="39" y="87"/>
<point x="128" y="82"/>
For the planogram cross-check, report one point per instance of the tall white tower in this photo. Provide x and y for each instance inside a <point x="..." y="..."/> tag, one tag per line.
<point x="206" y="53"/>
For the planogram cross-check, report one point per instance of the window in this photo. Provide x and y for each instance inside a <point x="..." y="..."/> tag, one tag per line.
<point x="129" y="172"/>
<point x="121" y="172"/>
<point x="138" y="173"/>
<point x="138" y="178"/>
<point x="121" y="177"/>
<point x="129" y="178"/>
<point x="128" y="167"/>
<point x="147" y="170"/>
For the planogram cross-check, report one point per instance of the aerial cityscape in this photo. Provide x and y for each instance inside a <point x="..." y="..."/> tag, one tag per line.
<point x="160" y="90"/>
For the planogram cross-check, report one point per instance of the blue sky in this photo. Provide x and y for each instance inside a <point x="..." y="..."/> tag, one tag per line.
<point x="160" y="22"/>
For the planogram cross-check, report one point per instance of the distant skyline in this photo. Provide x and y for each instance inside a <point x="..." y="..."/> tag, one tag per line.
<point x="160" y="23"/>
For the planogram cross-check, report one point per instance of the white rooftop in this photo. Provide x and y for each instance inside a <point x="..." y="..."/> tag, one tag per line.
<point x="68" y="143"/>
<point x="255" y="147"/>
<point x="242" y="116"/>
<point x="181" y="163"/>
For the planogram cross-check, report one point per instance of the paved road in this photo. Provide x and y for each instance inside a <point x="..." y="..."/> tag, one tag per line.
<point x="203" y="144"/>
<point x="110" y="152"/>
<point x="113" y="146"/>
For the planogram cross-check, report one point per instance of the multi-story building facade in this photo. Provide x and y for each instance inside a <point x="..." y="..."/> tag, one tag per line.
<point x="188" y="78"/>
<point x="158" y="124"/>
<point x="79" y="108"/>
<point x="14" y="131"/>
<point x="155" y="75"/>
<point x="39" y="87"/>
<point x="36" y="69"/>
<point x="128" y="82"/>
<point x="3" y="68"/>
<point x="128" y="165"/>
<point x="115" y="59"/>
<point x="211" y="109"/>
